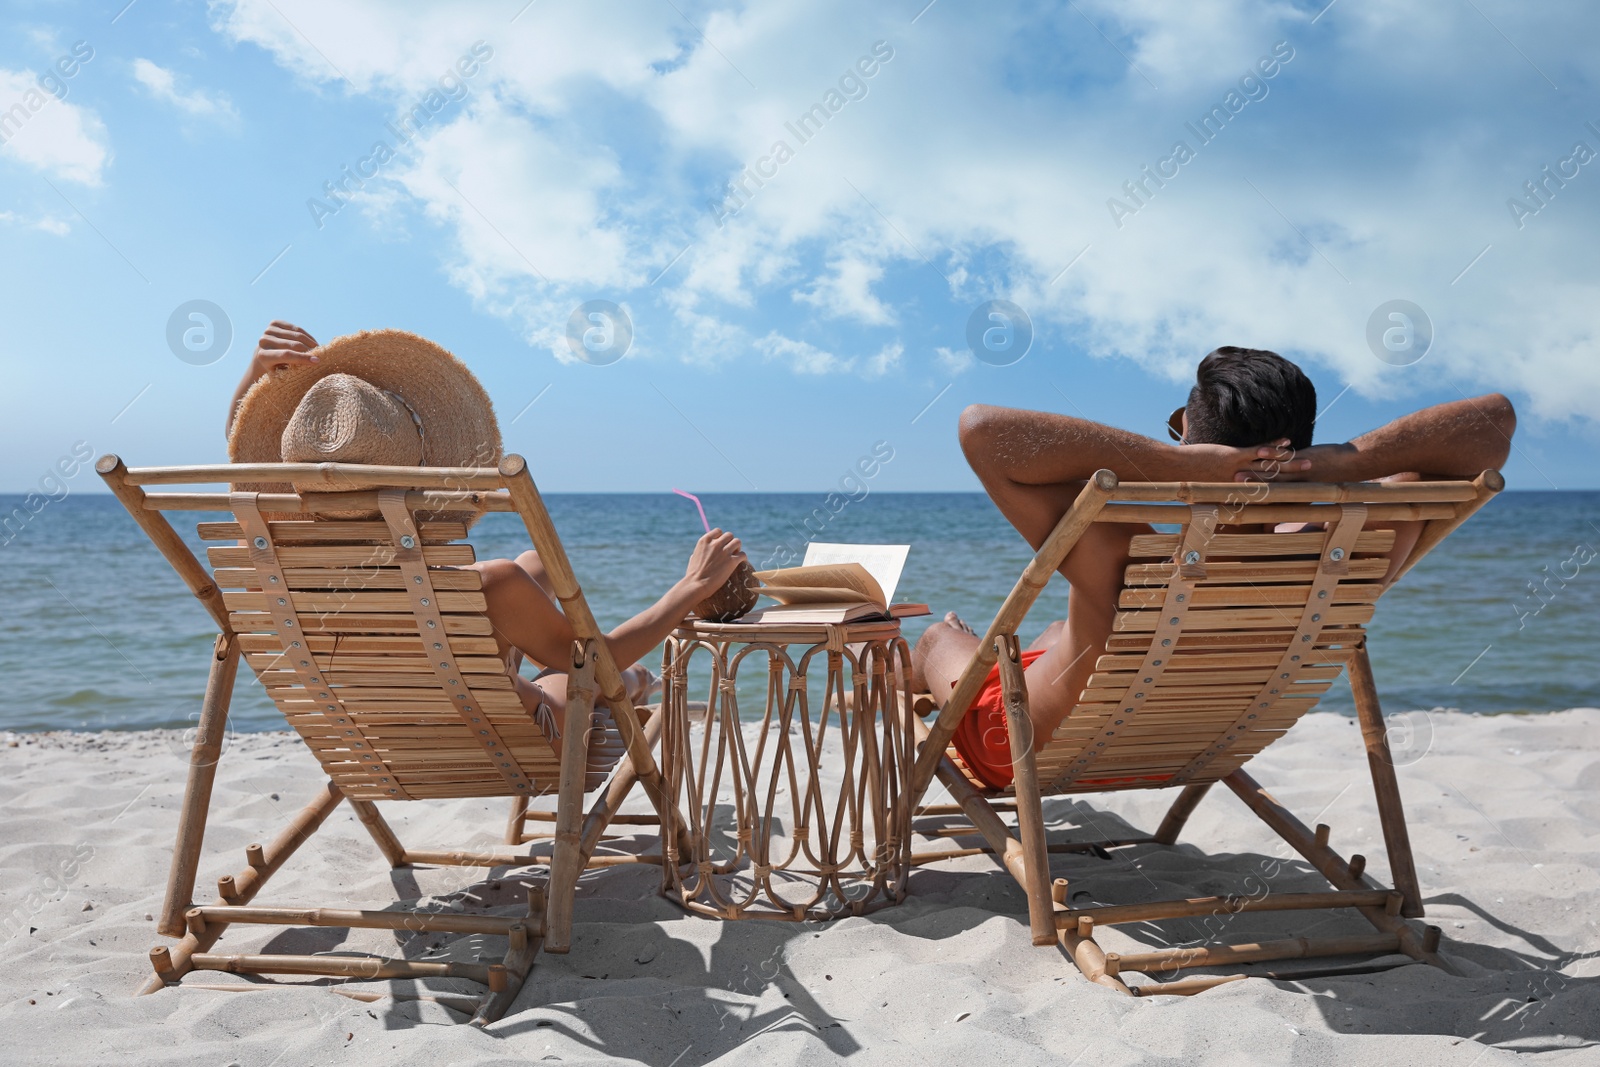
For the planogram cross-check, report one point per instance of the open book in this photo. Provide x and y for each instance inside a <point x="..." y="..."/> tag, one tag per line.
<point x="836" y="583"/>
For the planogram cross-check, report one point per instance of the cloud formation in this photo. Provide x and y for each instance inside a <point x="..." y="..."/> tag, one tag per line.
<point x="981" y="161"/>
<point x="162" y="84"/>
<point x="59" y="138"/>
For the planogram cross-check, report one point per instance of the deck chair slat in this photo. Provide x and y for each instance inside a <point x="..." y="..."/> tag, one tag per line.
<point x="1113" y="679"/>
<point x="401" y="644"/>
<point x="353" y="602"/>
<point x="1211" y="621"/>
<point x="363" y="578"/>
<point x="1158" y="725"/>
<point x="1238" y="641"/>
<point x="1226" y="545"/>
<point x="359" y="623"/>
<point x="1174" y="694"/>
<point x="381" y="724"/>
<point x="1151" y="737"/>
<point x="453" y="791"/>
<point x="378" y="726"/>
<point x="1273" y="514"/>
<point x="1212" y="596"/>
<point x="387" y="696"/>
<point x="459" y="767"/>
<point x="443" y="739"/>
<point x="1295" y="492"/>
<point x="293" y="531"/>
<point x="1180" y="713"/>
<point x="397" y="755"/>
<point x="384" y="661"/>
<point x="454" y="555"/>
<point x="1233" y="572"/>
<point x="278" y="679"/>
<point x="1190" y="661"/>
<point x="439" y="738"/>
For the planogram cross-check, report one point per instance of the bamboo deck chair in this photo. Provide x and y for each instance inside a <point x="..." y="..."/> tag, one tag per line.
<point x="377" y="651"/>
<point x="1223" y="638"/>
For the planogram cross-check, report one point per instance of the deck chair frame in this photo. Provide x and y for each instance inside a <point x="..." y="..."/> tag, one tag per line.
<point x="399" y="492"/>
<point x="1023" y="850"/>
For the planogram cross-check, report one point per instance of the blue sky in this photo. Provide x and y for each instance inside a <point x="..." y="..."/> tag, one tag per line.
<point x="778" y="333"/>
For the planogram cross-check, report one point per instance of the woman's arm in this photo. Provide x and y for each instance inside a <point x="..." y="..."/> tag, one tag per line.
<point x="283" y="344"/>
<point x="526" y="616"/>
<point x="715" y="556"/>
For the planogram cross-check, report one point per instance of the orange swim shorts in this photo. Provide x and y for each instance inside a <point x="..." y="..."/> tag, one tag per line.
<point x="981" y="737"/>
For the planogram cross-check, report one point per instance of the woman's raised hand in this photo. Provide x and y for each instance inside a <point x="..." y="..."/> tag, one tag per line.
<point x="713" y="560"/>
<point x="283" y="344"/>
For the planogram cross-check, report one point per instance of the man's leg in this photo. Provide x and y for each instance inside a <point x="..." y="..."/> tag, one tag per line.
<point x="1048" y="636"/>
<point x="941" y="655"/>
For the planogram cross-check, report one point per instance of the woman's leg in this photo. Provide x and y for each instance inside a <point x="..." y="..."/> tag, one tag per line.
<point x="519" y="597"/>
<point x="551" y="689"/>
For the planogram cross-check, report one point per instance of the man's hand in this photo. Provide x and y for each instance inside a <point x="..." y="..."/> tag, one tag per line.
<point x="714" y="558"/>
<point x="282" y="345"/>
<point x="1274" y="461"/>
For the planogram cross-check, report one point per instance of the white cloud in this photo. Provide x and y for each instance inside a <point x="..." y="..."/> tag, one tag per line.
<point x="805" y="358"/>
<point x="62" y="139"/>
<point x="162" y="84"/>
<point x="986" y="149"/>
<point x="887" y="359"/>
<point x="46" y="223"/>
<point x="954" y="361"/>
<point x="846" y="291"/>
<point x="802" y="357"/>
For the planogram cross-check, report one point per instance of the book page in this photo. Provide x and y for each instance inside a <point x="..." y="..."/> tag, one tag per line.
<point x="883" y="562"/>
<point x="839" y="583"/>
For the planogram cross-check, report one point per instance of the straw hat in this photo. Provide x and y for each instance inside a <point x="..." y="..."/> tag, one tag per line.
<point x="376" y="397"/>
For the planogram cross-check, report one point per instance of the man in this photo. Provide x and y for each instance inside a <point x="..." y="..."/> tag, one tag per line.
<point x="1249" y="417"/>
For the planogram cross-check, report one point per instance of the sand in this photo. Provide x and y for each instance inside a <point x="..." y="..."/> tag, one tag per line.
<point x="1504" y="812"/>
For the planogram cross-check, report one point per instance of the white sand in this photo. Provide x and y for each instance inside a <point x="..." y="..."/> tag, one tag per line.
<point x="1504" y="814"/>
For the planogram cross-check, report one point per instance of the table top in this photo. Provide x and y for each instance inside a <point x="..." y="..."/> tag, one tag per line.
<point x="788" y="632"/>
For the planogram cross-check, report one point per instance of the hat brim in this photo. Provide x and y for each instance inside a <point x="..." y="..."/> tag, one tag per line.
<point x="459" y="428"/>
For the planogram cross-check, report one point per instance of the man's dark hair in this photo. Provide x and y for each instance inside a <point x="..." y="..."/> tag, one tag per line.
<point x="1249" y="396"/>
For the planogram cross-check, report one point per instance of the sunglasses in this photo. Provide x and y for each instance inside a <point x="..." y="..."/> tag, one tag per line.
<point x="1175" y="426"/>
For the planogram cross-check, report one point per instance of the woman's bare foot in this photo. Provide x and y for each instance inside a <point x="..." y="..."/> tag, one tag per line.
<point x="640" y="682"/>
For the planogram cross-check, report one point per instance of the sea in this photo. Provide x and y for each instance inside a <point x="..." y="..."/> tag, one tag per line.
<point x="98" y="633"/>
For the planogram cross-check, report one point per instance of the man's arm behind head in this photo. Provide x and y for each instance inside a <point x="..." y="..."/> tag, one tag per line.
<point x="1459" y="439"/>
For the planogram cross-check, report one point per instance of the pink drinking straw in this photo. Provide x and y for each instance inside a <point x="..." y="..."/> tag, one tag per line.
<point x="697" y="504"/>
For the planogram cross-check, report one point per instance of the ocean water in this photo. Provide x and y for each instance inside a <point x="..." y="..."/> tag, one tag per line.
<point x="97" y="632"/>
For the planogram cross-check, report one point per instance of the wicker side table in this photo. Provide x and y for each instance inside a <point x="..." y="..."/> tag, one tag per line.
<point x="772" y="835"/>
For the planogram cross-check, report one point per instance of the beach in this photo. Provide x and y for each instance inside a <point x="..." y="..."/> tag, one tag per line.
<point x="1503" y="816"/>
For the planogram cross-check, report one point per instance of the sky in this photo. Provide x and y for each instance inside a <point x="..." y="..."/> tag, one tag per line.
<point x="736" y="247"/>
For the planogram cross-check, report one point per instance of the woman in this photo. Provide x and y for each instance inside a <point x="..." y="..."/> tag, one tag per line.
<point x="389" y="397"/>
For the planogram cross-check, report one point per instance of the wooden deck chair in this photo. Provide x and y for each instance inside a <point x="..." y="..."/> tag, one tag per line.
<point x="378" y="653"/>
<point x="1224" y="637"/>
